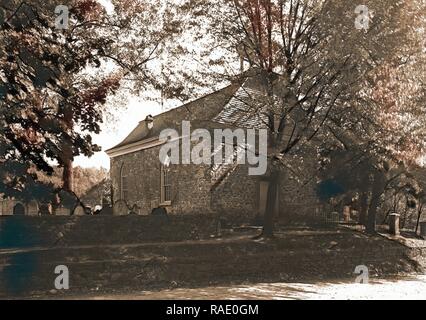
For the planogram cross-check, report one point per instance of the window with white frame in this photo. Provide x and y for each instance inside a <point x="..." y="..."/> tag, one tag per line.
<point x="124" y="184"/>
<point x="166" y="185"/>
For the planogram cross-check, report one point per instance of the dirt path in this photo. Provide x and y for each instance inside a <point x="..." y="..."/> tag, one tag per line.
<point x="413" y="288"/>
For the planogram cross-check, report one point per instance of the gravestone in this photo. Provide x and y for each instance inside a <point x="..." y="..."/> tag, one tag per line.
<point x="62" y="211"/>
<point x="97" y="210"/>
<point x="347" y="214"/>
<point x="355" y="215"/>
<point x="162" y="212"/>
<point x="160" y="215"/>
<point x="79" y="211"/>
<point x="33" y="208"/>
<point x="120" y="208"/>
<point x="219" y="229"/>
<point x="394" y="224"/>
<point x="7" y="207"/>
<point x="46" y="209"/>
<point x="19" y="209"/>
<point x="135" y="210"/>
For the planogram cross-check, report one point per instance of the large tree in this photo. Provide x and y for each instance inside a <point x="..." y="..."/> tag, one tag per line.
<point x="56" y="76"/>
<point x="312" y="57"/>
<point x="47" y="114"/>
<point x="387" y="113"/>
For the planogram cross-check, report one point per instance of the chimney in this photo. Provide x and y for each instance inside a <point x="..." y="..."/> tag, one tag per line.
<point x="149" y="122"/>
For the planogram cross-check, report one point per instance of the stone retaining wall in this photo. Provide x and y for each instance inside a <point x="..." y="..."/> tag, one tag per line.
<point x="19" y="232"/>
<point x="291" y="257"/>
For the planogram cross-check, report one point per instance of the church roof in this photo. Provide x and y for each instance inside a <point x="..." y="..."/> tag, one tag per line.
<point x="231" y="106"/>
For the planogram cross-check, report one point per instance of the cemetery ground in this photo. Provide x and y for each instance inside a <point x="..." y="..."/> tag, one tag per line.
<point x="124" y="257"/>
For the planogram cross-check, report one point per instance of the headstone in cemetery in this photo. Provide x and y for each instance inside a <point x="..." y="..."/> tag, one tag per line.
<point x="79" y="211"/>
<point x="19" y="209"/>
<point x="7" y="207"/>
<point x="97" y="210"/>
<point x="46" y="209"/>
<point x="219" y="229"/>
<point x="355" y="215"/>
<point x="33" y="208"/>
<point x="62" y="211"/>
<point x="347" y="214"/>
<point x="120" y="208"/>
<point x="394" y="224"/>
<point x="135" y="210"/>
<point x="160" y="215"/>
<point x="159" y="212"/>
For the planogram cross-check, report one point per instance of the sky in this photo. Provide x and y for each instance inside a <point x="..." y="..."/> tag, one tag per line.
<point x="127" y="117"/>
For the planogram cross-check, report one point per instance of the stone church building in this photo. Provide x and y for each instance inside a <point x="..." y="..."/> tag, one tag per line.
<point x="143" y="183"/>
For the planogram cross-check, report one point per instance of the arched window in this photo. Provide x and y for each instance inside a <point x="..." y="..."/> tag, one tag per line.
<point x="124" y="184"/>
<point x="166" y="186"/>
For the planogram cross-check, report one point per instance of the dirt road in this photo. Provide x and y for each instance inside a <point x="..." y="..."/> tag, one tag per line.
<point x="404" y="288"/>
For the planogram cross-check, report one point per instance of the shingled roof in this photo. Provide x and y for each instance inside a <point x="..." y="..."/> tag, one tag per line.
<point x="246" y="109"/>
<point x="231" y="106"/>
<point x="203" y="109"/>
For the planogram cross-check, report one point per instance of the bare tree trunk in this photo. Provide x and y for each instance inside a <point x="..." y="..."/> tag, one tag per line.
<point x="419" y="214"/>
<point x="67" y="176"/>
<point x="372" y="213"/>
<point x="363" y="208"/>
<point x="404" y="218"/>
<point x="67" y="153"/>
<point x="271" y="200"/>
<point x="268" y="224"/>
<point x="111" y="195"/>
<point x="378" y="185"/>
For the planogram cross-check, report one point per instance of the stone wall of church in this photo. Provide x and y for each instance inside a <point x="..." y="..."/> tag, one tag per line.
<point x="237" y="197"/>
<point x="190" y="183"/>
<point x="299" y="202"/>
